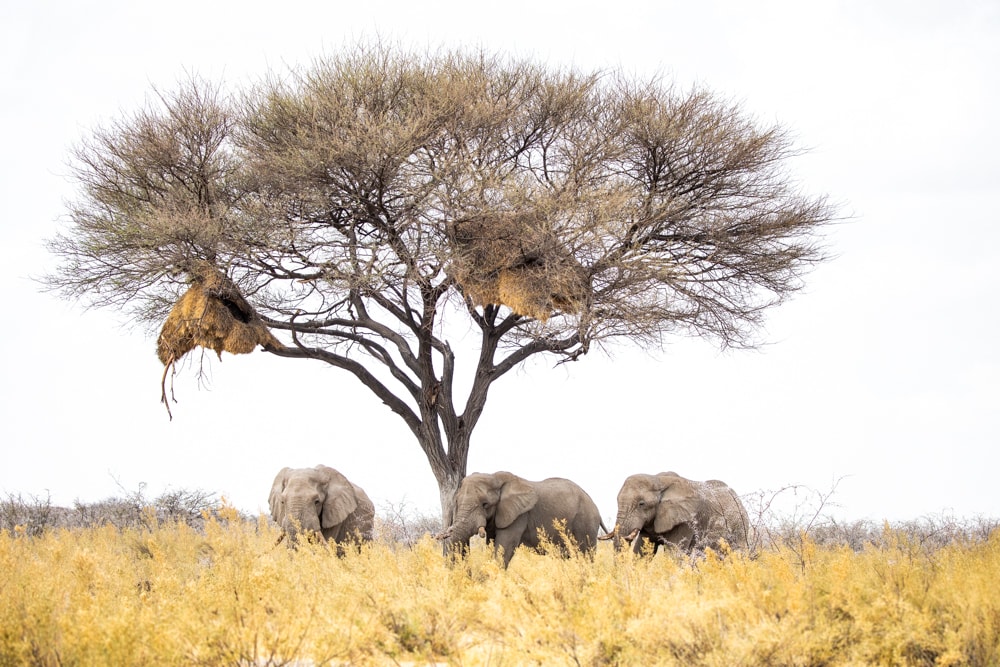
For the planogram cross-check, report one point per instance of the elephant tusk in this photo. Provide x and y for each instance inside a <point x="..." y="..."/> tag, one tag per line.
<point x="609" y="535"/>
<point x="631" y="536"/>
<point x="482" y="532"/>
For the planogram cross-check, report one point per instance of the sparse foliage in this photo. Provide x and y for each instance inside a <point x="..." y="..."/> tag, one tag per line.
<point x="34" y="515"/>
<point x="31" y="514"/>
<point x="398" y="524"/>
<point x="369" y="208"/>
<point x="769" y="525"/>
<point x="808" y="523"/>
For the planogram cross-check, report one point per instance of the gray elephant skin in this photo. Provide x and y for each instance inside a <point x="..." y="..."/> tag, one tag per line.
<point x="667" y="509"/>
<point x="510" y="511"/>
<point x="321" y="500"/>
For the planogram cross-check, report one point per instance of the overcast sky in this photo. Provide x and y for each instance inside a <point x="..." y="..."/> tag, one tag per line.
<point x="882" y="374"/>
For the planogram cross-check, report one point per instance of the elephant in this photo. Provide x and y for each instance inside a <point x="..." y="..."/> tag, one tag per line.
<point x="510" y="511"/>
<point x="321" y="500"/>
<point x="671" y="510"/>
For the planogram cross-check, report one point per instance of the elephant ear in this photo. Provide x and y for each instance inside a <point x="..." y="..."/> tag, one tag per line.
<point x="340" y="500"/>
<point x="678" y="503"/>
<point x="517" y="496"/>
<point x="274" y="500"/>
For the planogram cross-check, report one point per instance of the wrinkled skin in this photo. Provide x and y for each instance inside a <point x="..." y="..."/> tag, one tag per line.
<point x="509" y="511"/>
<point x="321" y="501"/>
<point x="667" y="509"/>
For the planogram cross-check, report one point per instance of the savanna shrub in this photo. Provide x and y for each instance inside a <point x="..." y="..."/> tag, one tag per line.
<point x="221" y="591"/>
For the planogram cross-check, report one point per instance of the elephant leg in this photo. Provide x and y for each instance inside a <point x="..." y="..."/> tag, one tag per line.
<point x="637" y="545"/>
<point x="506" y="544"/>
<point x="647" y="541"/>
<point x="586" y="542"/>
<point x="511" y="537"/>
<point x="682" y="537"/>
<point x="585" y="536"/>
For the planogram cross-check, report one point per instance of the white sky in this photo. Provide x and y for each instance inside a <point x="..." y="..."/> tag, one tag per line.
<point x="883" y="372"/>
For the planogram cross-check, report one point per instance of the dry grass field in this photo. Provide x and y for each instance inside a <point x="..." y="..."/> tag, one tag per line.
<point x="224" y="593"/>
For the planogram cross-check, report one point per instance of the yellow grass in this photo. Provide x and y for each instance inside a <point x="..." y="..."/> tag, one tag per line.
<point x="229" y="596"/>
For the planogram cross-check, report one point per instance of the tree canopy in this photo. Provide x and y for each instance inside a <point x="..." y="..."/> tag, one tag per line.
<point x="348" y="206"/>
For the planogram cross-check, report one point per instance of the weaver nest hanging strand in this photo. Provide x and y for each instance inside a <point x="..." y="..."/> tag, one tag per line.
<point x="212" y="314"/>
<point x="511" y="259"/>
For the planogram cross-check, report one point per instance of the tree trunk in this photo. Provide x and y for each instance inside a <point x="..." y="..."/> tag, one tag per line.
<point x="449" y="473"/>
<point x="447" y="488"/>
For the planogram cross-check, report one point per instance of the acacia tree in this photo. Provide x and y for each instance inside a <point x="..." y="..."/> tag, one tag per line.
<point x="370" y="206"/>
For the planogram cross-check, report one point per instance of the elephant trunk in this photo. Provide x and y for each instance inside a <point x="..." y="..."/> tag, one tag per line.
<point x="625" y="532"/>
<point x="464" y="527"/>
<point x="300" y="519"/>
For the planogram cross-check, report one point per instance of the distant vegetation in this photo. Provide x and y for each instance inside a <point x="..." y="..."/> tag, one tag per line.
<point x="186" y="580"/>
<point x="33" y="515"/>
<point x="398" y="523"/>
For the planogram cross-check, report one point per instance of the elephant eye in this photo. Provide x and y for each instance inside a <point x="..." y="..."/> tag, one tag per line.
<point x="642" y="503"/>
<point x="485" y="504"/>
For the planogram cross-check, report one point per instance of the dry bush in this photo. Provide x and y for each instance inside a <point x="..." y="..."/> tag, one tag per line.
<point x="220" y="591"/>
<point x="34" y="515"/>
<point x="226" y="595"/>
<point x="806" y="526"/>
<point x="399" y="525"/>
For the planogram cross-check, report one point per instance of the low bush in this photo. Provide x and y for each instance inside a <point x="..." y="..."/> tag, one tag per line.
<point x="33" y="515"/>
<point x="220" y="591"/>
